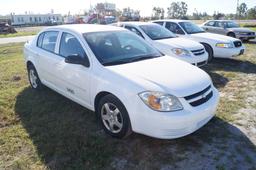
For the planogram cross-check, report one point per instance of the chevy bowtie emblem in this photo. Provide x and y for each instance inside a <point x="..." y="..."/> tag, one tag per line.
<point x="204" y="95"/>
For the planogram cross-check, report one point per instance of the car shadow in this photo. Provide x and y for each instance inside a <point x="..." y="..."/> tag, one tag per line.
<point x="231" y="65"/>
<point x="66" y="136"/>
<point x="250" y="42"/>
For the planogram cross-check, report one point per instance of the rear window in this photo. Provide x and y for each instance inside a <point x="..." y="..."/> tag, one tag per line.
<point x="159" y="22"/>
<point x="40" y="40"/>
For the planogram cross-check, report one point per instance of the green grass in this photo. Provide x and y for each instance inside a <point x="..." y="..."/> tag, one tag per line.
<point x="253" y="28"/>
<point x="44" y="130"/>
<point x="18" y="34"/>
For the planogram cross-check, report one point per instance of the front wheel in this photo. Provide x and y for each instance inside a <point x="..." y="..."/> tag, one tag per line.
<point x="113" y="117"/>
<point x="209" y="50"/>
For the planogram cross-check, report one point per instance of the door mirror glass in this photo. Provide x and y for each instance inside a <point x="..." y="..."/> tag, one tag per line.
<point x="77" y="59"/>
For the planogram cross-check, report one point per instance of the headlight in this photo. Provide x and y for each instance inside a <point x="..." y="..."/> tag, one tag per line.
<point x="181" y="52"/>
<point x="224" y="45"/>
<point x="160" y="101"/>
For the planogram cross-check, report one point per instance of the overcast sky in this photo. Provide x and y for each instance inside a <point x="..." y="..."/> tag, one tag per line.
<point x="145" y="6"/>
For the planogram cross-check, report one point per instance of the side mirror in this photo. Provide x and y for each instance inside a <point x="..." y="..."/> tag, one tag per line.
<point x="77" y="59"/>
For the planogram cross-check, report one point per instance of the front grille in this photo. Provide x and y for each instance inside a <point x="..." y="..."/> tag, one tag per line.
<point x="200" y="97"/>
<point x="198" y="52"/>
<point x="237" y="43"/>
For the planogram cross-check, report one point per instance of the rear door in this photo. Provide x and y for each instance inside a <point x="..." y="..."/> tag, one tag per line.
<point x="219" y="28"/>
<point x="47" y="57"/>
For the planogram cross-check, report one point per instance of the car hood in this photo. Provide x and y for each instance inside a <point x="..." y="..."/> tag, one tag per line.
<point x="216" y="37"/>
<point x="180" y="43"/>
<point x="164" y="74"/>
<point x="240" y="29"/>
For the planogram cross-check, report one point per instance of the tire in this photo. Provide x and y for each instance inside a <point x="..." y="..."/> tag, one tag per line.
<point x="113" y="117"/>
<point x="33" y="78"/>
<point x="209" y="50"/>
<point x="231" y="34"/>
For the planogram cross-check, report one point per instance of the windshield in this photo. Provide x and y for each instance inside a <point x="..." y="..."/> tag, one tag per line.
<point x="119" y="47"/>
<point x="191" y="28"/>
<point x="157" y="32"/>
<point x="231" y="25"/>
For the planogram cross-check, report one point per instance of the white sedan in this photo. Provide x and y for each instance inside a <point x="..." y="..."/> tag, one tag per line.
<point x="127" y="82"/>
<point x="218" y="46"/>
<point x="168" y="43"/>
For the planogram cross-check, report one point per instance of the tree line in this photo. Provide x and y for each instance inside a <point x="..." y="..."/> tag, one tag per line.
<point x="178" y="10"/>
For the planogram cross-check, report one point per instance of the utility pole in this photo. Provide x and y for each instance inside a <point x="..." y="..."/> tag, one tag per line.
<point x="237" y="10"/>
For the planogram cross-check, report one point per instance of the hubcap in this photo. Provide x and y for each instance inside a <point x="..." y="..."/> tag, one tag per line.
<point x="33" y="78"/>
<point x="111" y="117"/>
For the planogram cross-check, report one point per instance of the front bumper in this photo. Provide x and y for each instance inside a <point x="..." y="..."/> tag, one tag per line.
<point x="228" y="52"/>
<point x="169" y="125"/>
<point x="245" y="37"/>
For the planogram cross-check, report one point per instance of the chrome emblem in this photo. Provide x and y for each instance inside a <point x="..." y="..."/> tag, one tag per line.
<point x="204" y="95"/>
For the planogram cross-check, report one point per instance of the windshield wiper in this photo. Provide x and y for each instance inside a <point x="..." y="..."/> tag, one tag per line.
<point x="145" y="57"/>
<point x="115" y="62"/>
<point x="197" y="32"/>
<point x="163" y="38"/>
<point x="134" y="59"/>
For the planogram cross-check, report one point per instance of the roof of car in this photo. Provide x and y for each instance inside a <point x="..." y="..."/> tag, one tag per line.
<point x="136" y="23"/>
<point x="220" y="20"/>
<point x="85" y="28"/>
<point x="172" y="20"/>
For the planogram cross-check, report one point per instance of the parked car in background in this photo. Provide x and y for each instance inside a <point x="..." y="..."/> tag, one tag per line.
<point x="168" y="43"/>
<point x="229" y="28"/>
<point x="5" y="28"/>
<point x="218" y="46"/>
<point x="128" y="83"/>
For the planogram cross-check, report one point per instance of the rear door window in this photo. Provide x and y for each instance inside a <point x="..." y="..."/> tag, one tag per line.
<point x="49" y="41"/>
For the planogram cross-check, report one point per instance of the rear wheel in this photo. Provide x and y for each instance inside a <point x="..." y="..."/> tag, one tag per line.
<point x="113" y="117"/>
<point x="33" y="78"/>
<point x="209" y="50"/>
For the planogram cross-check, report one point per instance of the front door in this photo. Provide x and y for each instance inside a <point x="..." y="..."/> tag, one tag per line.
<point x="75" y="78"/>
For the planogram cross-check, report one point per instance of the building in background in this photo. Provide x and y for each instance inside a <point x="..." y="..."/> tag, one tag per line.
<point x="36" y="19"/>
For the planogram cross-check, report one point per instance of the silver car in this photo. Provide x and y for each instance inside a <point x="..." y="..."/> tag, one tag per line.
<point x="229" y="28"/>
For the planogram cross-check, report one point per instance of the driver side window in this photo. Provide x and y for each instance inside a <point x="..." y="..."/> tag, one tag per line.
<point x="69" y="45"/>
<point x="173" y="27"/>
